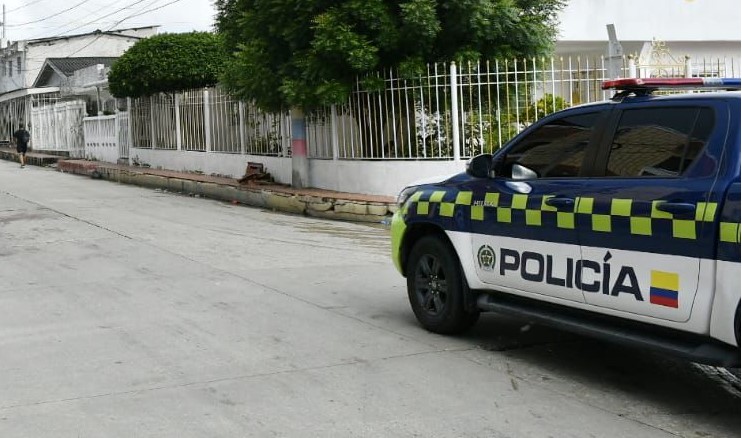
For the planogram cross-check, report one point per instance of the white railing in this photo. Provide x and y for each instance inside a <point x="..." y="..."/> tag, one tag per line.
<point x="458" y="111"/>
<point x="208" y="120"/>
<point x="101" y="138"/>
<point x="452" y="111"/>
<point x="58" y="127"/>
<point x="107" y="137"/>
<point x="448" y="112"/>
<point x="100" y="132"/>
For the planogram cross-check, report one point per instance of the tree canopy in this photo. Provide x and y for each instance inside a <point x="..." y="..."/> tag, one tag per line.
<point x="167" y="63"/>
<point x="308" y="52"/>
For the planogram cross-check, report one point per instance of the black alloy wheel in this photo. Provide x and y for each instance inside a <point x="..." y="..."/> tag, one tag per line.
<point x="435" y="287"/>
<point x="431" y="285"/>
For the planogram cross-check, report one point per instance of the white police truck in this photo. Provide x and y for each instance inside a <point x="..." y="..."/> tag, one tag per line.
<point x="619" y="219"/>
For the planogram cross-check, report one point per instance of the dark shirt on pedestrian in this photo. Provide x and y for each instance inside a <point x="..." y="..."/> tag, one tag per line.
<point x="21" y="140"/>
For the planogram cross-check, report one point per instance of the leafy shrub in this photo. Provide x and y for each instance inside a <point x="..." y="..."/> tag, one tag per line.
<point x="168" y="63"/>
<point x="544" y="106"/>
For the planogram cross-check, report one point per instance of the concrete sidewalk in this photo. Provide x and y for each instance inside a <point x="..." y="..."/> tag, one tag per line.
<point x="311" y="202"/>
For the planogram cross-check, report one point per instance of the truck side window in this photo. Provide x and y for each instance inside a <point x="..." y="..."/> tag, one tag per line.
<point x="556" y="149"/>
<point x="652" y="142"/>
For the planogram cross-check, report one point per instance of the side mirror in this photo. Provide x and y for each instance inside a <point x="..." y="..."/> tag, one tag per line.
<point x="480" y="166"/>
<point x="521" y="173"/>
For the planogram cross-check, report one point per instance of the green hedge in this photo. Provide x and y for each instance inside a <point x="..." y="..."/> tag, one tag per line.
<point x="167" y="63"/>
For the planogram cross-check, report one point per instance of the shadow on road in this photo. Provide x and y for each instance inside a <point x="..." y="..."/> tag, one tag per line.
<point x="653" y="383"/>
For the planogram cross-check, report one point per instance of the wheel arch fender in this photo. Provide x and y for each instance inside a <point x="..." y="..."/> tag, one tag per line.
<point x="413" y="234"/>
<point x="725" y="309"/>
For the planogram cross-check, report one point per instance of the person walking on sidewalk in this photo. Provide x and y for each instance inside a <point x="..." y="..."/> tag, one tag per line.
<point x="22" y="138"/>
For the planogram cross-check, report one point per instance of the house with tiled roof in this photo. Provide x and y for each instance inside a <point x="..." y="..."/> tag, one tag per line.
<point x="81" y="77"/>
<point x="27" y="79"/>
<point x="21" y="61"/>
<point x="61" y="72"/>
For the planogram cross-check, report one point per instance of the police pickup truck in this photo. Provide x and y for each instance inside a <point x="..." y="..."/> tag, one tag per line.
<point x="618" y="219"/>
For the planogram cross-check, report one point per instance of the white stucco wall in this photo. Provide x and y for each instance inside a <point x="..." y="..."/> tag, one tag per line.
<point x="642" y="20"/>
<point x="376" y="177"/>
<point x="229" y="165"/>
<point x="367" y="177"/>
<point x="107" y="154"/>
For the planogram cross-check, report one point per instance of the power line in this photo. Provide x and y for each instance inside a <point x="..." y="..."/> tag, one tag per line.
<point x="26" y="5"/>
<point x="121" y="21"/>
<point x="91" y="22"/>
<point x="50" y="16"/>
<point x="104" y="16"/>
<point x="147" y="11"/>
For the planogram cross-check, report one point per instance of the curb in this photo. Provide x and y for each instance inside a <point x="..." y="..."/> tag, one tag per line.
<point x="322" y="204"/>
<point x="32" y="158"/>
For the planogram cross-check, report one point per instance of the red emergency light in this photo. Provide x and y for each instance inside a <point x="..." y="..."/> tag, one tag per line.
<point x="658" y="83"/>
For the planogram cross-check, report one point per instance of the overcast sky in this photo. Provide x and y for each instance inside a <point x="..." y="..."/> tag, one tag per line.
<point x="28" y="19"/>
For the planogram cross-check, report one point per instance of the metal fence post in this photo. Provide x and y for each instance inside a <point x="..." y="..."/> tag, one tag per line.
<point x="129" y="129"/>
<point x="152" y="118"/>
<point x="178" y="136"/>
<point x="116" y="128"/>
<point x="207" y="120"/>
<point x="243" y="146"/>
<point x="334" y="133"/>
<point x="632" y="67"/>
<point x="455" y="113"/>
<point x="688" y="67"/>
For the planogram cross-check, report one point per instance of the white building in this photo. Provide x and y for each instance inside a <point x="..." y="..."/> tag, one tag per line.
<point x="707" y="31"/>
<point x="21" y="61"/>
<point x="80" y="77"/>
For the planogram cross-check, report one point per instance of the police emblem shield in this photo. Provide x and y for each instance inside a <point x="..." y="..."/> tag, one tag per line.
<point x="486" y="258"/>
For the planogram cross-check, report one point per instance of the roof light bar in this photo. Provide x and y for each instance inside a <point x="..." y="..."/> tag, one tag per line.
<point x="657" y="83"/>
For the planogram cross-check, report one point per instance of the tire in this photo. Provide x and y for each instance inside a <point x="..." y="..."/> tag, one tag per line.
<point x="736" y="325"/>
<point x="435" y="287"/>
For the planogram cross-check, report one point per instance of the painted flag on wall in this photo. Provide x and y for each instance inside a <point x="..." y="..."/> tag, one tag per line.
<point x="664" y="289"/>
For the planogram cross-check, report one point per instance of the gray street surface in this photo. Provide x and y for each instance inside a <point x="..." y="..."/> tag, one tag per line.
<point x="129" y="312"/>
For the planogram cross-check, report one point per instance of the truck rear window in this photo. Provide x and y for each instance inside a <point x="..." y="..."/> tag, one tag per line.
<point x="659" y="141"/>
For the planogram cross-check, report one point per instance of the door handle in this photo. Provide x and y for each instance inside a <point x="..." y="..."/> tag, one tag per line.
<point x="560" y="203"/>
<point x="681" y="208"/>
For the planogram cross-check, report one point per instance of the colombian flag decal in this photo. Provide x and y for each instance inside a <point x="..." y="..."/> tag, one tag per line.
<point x="664" y="289"/>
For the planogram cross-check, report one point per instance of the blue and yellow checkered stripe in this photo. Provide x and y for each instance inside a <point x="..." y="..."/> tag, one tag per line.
<point x="643" y="220"/>
<point x="729" y="232"/>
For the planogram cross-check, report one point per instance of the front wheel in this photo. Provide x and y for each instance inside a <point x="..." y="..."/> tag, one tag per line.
<point x="435" y="287"/>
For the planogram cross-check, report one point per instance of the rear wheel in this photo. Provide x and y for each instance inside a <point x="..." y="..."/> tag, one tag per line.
<point x="736" y="325"/>
<point x="435" y="287"/>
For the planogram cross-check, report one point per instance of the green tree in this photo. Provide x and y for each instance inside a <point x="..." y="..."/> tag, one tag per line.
<point x="307" y="53"/>
<point x="543" y="107"/>
<point x="167" y="63"/>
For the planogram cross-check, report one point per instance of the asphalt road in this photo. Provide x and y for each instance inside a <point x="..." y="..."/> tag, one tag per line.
<point x="127" y="312"/>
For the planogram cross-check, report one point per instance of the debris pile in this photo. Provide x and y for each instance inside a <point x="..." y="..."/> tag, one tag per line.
<point x="255" y="173"/>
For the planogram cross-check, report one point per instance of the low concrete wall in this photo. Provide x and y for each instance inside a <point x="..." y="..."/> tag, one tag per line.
<point x="211" y="163"/>
<point x="109" y="154"/>
<point x="376" y="177"/>
<point x="385" y="178"/>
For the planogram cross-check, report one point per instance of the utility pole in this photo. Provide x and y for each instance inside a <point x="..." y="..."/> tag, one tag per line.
<point x="615" y="54"/>
<point x="4" y="40"/>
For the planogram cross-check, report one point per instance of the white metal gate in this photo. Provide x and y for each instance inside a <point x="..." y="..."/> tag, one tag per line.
<point x="58" y="128"/>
